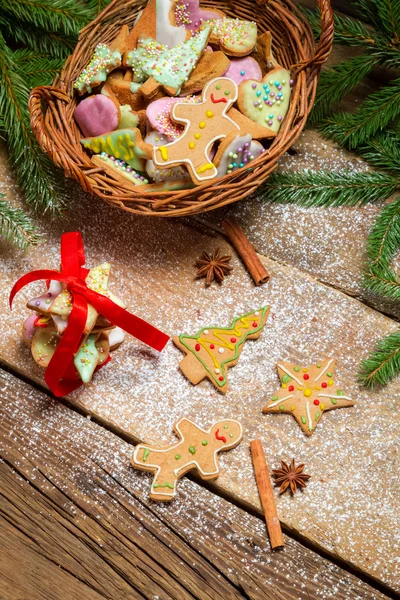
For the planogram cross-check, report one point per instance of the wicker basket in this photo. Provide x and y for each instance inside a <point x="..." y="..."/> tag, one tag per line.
<point x="294" y="47"/>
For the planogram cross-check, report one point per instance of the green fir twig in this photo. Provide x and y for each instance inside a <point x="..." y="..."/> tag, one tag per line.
<point x="383" y="364"/>
<point x="353" y="129"/>
<point x="329" y="188"/>
<point x="16" y="226"/>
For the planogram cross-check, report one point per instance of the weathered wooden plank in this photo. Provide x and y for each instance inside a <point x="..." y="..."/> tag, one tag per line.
<point x="78" y="518"/>
<point x="142" y="394"/>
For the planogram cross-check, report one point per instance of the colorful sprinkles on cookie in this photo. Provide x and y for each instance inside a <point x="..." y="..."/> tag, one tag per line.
<point x="307" y="392"/>
<point x="102" y="62"/>
<point x="213" y="350"/>
<point x="123" y="168"/>
<point x="266" y="102"/>
<point x="234" y="36"/>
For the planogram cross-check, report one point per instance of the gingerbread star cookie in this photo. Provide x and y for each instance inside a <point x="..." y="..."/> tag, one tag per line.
<point x="307" y="393"/>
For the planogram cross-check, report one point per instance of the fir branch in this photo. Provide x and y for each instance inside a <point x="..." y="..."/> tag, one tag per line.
<point x="382" y="281"/>
<point x="97" y="6"/>
<point x="33" y="169"/>
<point x="348" y="31"/>
<point x="53" y="44"/>
<point x="329" y="188"/>
<point x="383" y="151"/>
<point x="336" y="83"/>
<point x="384" y="237"/>
<point x="66" y="16"/>
<point x="384" y="364"/>
<point x="388" y="12"/>
<point x="36" y="67"/>
<point x="16" y="226"/>
<point x="376" y="112"/>
<point x="367" y="9"/>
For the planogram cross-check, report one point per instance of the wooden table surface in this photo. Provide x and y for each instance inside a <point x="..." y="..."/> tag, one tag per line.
<point x="76" y="519"/>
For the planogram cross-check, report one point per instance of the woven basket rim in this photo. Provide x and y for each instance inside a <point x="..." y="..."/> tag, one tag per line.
<point x="51" y="109"/>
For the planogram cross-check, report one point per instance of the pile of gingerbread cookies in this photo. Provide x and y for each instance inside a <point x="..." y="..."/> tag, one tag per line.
<point x="184" y="97"/>
<point x="44" y="328"/>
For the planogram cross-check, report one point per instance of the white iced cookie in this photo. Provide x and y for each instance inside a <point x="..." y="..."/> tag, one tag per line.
<point x="166" y="31"/>
<point x="160" y="175"/>
<point x="235" y="152"/>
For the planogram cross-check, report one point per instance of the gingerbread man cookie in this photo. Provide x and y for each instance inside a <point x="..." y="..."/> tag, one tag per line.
<point x="307" y="392"/>
<point x="205" y="122"/>
<point x="196" y="449"/>
<point x="213" y="350"/>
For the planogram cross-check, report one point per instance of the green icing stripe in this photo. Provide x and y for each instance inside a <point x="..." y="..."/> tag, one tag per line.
<point x="182" y="338"/>
<point x="163" y="485"/>
<point x="146" y="452"/>
<point x="303" y="420"/>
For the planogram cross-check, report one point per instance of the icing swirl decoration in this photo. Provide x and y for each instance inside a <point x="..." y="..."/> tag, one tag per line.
<point x="307" y="392"/>
<point x="211" y="354"/>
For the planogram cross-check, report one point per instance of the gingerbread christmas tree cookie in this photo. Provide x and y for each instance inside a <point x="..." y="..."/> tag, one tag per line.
<point x="213" y="350"/>
<point x="307" y="392"/>
<point x="196" y="449"/>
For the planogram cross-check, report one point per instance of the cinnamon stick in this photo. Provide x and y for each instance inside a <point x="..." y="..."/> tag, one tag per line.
<point x="246" y="251"/>
<point x="266" y="494"/>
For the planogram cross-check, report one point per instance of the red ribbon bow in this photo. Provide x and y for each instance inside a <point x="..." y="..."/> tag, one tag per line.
<point x="59" y="374"/>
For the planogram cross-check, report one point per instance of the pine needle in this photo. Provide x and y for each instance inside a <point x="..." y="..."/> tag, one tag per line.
<point x="383" y="151"/>
<point x="54" y="44"/>
<point x="384" y="237"/>
<point x="383" y="364"/>
<point x="16" y="226"/>
<point x="328" y="188"/>
<point x="33" y="169"/>
<point x="375" y="113"/>
<point x="336" y="83"/>
<point x="66" y="16"/>
<point x="382" y="281"/>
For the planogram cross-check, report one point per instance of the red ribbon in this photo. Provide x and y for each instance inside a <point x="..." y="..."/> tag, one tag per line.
<point x="60" y="375"/>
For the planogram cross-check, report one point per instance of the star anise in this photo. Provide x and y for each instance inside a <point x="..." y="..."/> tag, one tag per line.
<point x="290" y="475"/>
<point x="213" y="267"/>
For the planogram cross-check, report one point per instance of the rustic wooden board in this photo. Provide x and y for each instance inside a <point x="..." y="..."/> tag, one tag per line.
<point x="78" y="518"/>
<point x="142" y="395"/>
<point x="327" y="243"/>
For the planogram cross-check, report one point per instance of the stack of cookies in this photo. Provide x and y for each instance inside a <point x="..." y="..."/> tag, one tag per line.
<point x="187" y="96"/>
<point x="44" y="328"/>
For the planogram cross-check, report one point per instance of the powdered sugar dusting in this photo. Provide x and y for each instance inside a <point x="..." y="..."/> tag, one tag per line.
<point x="97" y="490"/>
<point x="350" y="505"/>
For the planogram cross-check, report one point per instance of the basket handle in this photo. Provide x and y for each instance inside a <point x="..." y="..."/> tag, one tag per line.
<point x="327" y="31"/>
<point x="39" y="97"/>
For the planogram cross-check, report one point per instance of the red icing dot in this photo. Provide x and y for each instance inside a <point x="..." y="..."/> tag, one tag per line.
<point x="233" y="340"/>
<point x="221" y="378"/>
<point x="197" y="347"/>
<point x="255" y="324"/>
<point x="316" y="401"/>
<point x="324" y="384"/>
<point x="291" y="388"/>
<point x="306" y="376"/>
<point x="212" y="346"/>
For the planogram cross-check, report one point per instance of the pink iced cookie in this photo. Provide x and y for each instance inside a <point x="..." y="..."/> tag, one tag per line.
<point x="189" y="14"/>
<point x="158" y="114"/>
<point x="242" y="69"/>
<point x="29" y="328"/>
<point x="96" y="115"/>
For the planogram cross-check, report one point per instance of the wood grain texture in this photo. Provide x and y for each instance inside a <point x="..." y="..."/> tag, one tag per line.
<point x="78" y="519"/>
<point x="142" y="395"/>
